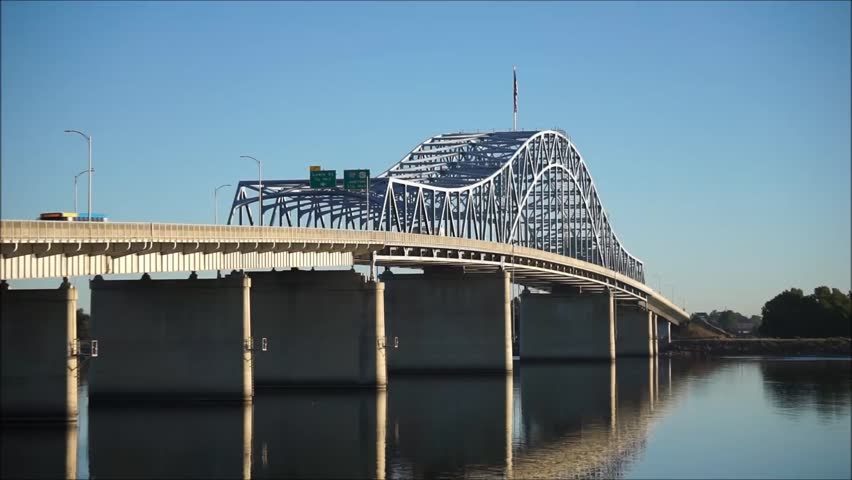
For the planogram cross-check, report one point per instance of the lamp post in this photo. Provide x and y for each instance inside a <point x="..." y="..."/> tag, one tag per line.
<point x="259" y="190"/>
<point x="76" y="210"/>
<point x="89" y="141"/>
<point x="215" y="204"/>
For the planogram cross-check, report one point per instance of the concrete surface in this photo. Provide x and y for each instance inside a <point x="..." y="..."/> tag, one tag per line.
<point x="38" y="331"/>
<point x="567" y="326"/>
<point x="447" y="320"/>
<point x="171" y="339"/>
<point x="322" y="328"/>
<point x="633" y="332"/>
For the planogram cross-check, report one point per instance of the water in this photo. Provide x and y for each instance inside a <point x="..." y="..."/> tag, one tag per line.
<point x="723" y="418"/>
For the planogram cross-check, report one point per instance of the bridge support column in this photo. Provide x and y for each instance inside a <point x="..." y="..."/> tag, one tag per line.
<point x="38" y="354"/>
<point x="321" y="328"/>
<point x="172" y="339"/>
<point x="567" y="326"/>
<point x="634" y="332"/>
<point x="447" y="320"/>
<point x="655" y="335"/>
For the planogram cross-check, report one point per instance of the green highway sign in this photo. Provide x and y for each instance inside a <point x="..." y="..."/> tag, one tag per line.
<point x="356" y="179"/>
<point x="323" y="178"/>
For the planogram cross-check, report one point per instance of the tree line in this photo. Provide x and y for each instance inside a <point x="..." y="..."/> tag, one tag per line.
<point x="732" y="321"/>
<point x="84" y="325"/>
<point x="824" y="313"/>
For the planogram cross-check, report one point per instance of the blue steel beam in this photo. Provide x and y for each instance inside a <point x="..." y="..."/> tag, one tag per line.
<point x="529" y="188"/>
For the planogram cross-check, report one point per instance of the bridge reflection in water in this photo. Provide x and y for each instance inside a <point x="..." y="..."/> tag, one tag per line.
<point x="200" y="441"/>
<point x="584" y="420"/>
<point x="48" y="452"/>
<point x="546" y="420"/>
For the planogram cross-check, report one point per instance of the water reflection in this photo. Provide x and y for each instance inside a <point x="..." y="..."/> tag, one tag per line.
<point x="795" y="386"/>
<point x="320" y="434"/>
<point x="546" y="420"/>
<point x="200" y="441"/>
<point x="583" y="420"/>
<point x="448" y="426"/>
<point x="558" y="400"/>
<point x="48" y="451"/>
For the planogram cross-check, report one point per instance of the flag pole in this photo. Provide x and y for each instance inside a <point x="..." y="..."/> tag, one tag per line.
<point x="515" y="98"/>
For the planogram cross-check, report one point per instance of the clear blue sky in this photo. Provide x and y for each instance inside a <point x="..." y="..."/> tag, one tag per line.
<point x="718" y="133"/>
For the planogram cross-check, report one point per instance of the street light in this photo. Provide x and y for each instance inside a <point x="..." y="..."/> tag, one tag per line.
<point x="76" y="210"/>
<point x="89" y="141"/>
<point x="215" y="204"/>
<point x="259" y="191"/>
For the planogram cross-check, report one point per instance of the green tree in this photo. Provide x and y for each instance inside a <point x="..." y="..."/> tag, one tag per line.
<point x="825" y="313"/>
<point x="84" y="325"/>
<point x="728" y="320"/>
<point x="756" y="320"/>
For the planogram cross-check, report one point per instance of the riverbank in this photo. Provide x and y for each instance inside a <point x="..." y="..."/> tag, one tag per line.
<point x="795" y="347"/>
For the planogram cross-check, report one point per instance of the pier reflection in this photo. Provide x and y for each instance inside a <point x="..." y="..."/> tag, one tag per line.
<point x="583" y="420"/>
<point x="320" y="434"/>
<point x="450" y="425"/>
<point x="546" y="420"/>
<point x="48" y="451"/>
<point x="199" y="441"/>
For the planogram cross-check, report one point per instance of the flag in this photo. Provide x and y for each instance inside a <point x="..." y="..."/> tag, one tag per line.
<point x="515" y="76"/>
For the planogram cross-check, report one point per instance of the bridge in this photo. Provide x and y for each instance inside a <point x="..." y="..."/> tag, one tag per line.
<point x="476" y="212"/>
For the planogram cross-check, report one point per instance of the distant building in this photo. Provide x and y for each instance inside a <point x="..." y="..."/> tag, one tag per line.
<point x="744" y="328"/>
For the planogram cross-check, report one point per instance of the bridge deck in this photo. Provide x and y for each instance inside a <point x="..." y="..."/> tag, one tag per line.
<point x="37" y="249"/>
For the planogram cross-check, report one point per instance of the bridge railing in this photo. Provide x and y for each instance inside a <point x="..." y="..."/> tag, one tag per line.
<point x="42" y="232"/>
<point x="29" y="231"/>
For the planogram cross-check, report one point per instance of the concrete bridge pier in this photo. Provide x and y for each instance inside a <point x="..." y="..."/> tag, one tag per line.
<point x="172" y="339"/>
<point x="655" y="334"/>
<point x="38" y="354"/>
<point x="664" y="333"/>
<point x="319" y="328"/>
<point x="567" y="325"/>
<point x="634" y="332"/>
<point x="448" y="320"/>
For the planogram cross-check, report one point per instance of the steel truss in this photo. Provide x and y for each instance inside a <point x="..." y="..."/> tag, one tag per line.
<point x="523" y="188"/>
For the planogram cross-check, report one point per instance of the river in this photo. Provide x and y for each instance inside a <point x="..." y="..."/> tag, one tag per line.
<point x="665" y="418"/>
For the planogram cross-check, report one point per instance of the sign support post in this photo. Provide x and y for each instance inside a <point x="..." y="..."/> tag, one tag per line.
<point x="359" y="180"/>
<point x="368" y="202"/>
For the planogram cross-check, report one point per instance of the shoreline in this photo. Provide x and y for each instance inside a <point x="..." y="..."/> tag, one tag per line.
<point x="787" y="347"/>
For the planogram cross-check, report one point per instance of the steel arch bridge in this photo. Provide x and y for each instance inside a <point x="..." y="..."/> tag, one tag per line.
<point x="526" y="188"/>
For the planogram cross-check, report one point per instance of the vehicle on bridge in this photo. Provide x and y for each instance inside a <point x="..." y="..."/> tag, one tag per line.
<point x="58" y="216"/>
<point x="72" y="217"/>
